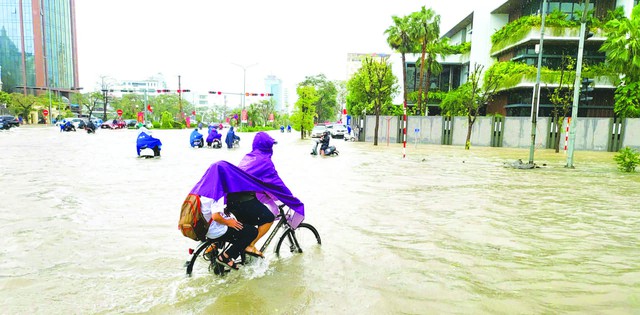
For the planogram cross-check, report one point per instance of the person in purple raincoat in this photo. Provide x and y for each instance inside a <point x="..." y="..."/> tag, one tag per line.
<point x="252" y="189"/>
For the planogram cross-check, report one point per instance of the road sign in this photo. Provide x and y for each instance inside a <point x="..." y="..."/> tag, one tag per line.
<point x="119" y="111"/>
<point x="417" y="130"/>
<point x="45" y="112"/>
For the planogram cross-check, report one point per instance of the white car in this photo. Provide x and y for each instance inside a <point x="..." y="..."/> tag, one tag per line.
<point x="318" y="131"/>
<point x="337" y="131"/>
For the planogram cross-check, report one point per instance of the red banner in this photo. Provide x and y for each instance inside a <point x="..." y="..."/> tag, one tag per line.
<point x="271" y="117"/>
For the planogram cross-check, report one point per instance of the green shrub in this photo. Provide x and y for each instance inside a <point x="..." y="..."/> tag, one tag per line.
<point x="627" y="159"/>
<point x="156" y="124"/>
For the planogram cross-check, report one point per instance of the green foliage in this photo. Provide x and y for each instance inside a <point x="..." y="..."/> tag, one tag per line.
<point x="627" y="100"/>
<point x="167" y="122"/>
<point x="156" y="124"/>
<point x="22" y="105"/>
<point x="622" y="48"/>
<point x="326" y="106"/>
<point x="455" y="102"/>
<point x="257" y="128"/>
<point x="463" y="48"/>
<point x="628" y="159"/>
<point x="515" y="72"/>
<point x="304" y="110"/>
<point x="371" y="88"/>
<point x="556" y="22"/>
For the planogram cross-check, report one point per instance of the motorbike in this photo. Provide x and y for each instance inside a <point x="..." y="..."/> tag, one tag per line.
<point x="90" y="128"/>
<point x="197" y="143"/>
<point x="215" y="144"/>
<point x="330" y="151"/>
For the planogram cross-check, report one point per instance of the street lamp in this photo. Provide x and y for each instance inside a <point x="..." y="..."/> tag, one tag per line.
<point x="244" y="80"/>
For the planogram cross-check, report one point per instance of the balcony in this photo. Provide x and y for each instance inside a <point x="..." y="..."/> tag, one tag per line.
<point x="532" y="34"/>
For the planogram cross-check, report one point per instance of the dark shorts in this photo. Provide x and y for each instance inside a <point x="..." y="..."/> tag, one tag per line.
<point x="251" y="212"/>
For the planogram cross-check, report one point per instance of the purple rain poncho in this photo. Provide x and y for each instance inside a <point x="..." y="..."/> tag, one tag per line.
<point x="255" y="172"/>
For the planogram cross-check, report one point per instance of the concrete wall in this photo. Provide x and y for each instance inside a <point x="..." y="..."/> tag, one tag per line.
<point x="631" y="137"/>
<point x="429" y="129"/>
<point x="592" y="134"/>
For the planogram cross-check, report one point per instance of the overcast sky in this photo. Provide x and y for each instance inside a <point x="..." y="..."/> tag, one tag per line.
<point x="200" y="40"/>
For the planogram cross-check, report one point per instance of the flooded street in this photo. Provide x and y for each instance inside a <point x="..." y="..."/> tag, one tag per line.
<point x="88" y="228"/>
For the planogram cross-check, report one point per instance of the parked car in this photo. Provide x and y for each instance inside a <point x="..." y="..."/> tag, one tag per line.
<point x="318" y="131"/>
<point x="337" y="130"/>
<point x="114" y="124"/>
<point x="10" y="121"/>
<point x="131" y="122"/>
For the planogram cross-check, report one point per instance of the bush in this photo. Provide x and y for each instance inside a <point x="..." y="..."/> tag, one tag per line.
<point x="156" y="124"/>
<point x="627" y="159"/>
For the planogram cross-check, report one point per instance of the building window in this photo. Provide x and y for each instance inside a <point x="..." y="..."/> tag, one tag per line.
<point x="573" y="9"/>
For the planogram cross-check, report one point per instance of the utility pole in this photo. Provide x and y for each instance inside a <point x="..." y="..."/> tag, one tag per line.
<point x="535" y="104"/>
<point x="576" y="87"/>
<point x="180" y="99"/>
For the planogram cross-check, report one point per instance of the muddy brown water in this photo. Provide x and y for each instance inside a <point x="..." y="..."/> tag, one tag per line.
<point x="88" y="228"/>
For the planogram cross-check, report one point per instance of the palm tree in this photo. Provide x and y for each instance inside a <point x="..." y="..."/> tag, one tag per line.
<point x="441" y="47"/>
<point x="400" y="39"/>
<point x="428" y="31"/>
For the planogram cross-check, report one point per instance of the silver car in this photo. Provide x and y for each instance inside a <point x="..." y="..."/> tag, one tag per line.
<point x="318" y="131"/>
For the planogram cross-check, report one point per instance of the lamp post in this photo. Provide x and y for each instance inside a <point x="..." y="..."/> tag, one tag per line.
<point x="244" y="80"/>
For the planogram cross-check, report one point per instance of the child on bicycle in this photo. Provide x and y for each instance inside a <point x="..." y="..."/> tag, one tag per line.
<point x="225" y="228"/>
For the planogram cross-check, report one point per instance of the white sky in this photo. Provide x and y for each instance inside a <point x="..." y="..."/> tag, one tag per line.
<point x="201" y="39"/>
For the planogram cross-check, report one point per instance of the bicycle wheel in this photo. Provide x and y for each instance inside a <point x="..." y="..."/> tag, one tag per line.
<point x="292" y="242"/>
<point x="207" y="256"/>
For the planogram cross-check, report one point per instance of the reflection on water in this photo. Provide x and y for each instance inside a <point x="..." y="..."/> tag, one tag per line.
<point x="89" y="228"/>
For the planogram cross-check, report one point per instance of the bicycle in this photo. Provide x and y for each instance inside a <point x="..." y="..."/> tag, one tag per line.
<point x="291" y="242"/>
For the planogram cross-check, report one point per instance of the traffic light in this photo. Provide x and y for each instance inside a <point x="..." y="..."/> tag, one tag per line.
<point x="585" y="90"/>
<point x="215" y="92"/>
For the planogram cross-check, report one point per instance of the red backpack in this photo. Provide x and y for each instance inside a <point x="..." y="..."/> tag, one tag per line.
<point x="192" y="223"/>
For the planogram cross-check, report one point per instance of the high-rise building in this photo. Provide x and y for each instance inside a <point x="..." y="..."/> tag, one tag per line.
<point x="274" y="86"/>
<point x="38" y="48"/>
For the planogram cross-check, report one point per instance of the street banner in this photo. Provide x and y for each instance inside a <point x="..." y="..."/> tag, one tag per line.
<point x="244" y="116"/>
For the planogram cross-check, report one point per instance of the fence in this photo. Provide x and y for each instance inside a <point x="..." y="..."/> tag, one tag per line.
<point x="592" y="134"/>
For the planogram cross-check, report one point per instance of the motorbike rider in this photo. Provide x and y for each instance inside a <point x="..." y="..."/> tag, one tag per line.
<point x="231" y="138"/>
<point x="324" y="142"/>
<point x="213" y="135"/>
<point x="147" y="141"/>
<point x="91" y="127"/>
<point x="196" y="138"/>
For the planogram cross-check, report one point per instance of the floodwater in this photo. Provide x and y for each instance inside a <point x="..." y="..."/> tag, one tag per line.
<point x="88" y="228"/>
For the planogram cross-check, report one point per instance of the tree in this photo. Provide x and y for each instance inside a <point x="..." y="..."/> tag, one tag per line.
<point x="89" y="101"/>
<point x="326" y="105"/>
<point x="622" y="48"/>
<point x="562" y="96"/>
<point x="399" y="38"/>
<point x="469" y="98"/>
<point x="372" y="87"/>
<point x="263" y="109"/>
<point x="428" y="31"/>
<point x="304" y="110"/>
<point x="23" y="105"/>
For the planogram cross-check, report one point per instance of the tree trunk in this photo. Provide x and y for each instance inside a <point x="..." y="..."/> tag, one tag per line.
<point x="375" y="132"/>
<point x="467" y="143"/>
<point x="424" y="49"/>
<point x="404" y="79"/>
<point x="427" y="87"/>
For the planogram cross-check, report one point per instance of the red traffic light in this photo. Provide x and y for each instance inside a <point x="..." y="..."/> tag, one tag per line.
<point x="186" y="91"/>
<point x="262" y="94"/>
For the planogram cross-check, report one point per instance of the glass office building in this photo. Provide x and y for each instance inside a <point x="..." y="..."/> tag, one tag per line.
<point x="38" y="48"/>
